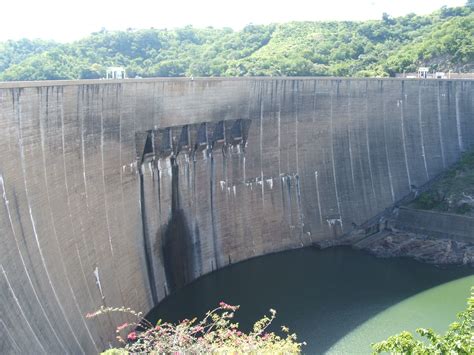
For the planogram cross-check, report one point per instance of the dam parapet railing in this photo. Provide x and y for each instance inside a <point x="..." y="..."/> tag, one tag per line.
<point x="43" y="83"/>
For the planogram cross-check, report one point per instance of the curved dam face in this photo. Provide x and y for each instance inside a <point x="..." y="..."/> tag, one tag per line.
<point x="117" y="193"/>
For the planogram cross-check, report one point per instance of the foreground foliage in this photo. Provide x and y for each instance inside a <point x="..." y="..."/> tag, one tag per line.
<point x="459" y="339"/>
<point x="215" y="334"/>
<point x="442" y="40"/>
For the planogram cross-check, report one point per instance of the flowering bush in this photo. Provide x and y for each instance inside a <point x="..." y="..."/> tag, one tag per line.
<point x="215" y="334"/>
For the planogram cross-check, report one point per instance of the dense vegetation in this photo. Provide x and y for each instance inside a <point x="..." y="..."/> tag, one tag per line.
<point x="457" y="340"/>
<point x="216" y="333"/>
<point x="442" y="41"/>
<point x="453" y="192"/>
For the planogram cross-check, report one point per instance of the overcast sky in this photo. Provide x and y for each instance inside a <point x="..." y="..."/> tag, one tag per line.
<point x="64" y="20"/>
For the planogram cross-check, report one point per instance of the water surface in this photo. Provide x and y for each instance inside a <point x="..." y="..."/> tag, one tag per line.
<point x="338" y="300"/>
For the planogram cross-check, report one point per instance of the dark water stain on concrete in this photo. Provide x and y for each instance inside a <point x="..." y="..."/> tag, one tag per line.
<point x="181" y="251"/>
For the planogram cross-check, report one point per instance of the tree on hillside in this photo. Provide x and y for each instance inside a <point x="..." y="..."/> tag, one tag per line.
<point x="442" y="40"/>
<point x="386" y="18"/>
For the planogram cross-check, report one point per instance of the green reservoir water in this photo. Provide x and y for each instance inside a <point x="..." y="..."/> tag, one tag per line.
<point x="338" y="300"/>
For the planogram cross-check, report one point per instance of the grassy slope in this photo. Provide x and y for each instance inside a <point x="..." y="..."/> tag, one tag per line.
<point x="454" y="193"/>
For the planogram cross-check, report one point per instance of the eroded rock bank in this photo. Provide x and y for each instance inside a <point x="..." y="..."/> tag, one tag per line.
<point x="397" y="243"/>
<point x="396" y="237"/>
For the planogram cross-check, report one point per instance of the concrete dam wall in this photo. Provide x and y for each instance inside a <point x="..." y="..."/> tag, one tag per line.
<point x="117" y="193"/>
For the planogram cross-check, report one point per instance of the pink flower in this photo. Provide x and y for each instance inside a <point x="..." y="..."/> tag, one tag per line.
<point x="124" y="325"/>
<point x="184" y="321"/>
<point x="198" y="329"/>
<point x="224" y="305"/>
<point x="92" y="315"/>
<point x="132" y="336"/>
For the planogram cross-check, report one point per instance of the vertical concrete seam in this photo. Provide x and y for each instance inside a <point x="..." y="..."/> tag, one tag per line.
<point x="80" y="115"/>
<point x="33" y="224"/>
<point x="20" y="253"/>
<point x="103" y="174"/>
<point x="12" y="339"/>
<point x="458" y="119"/>
<point x="387" y="157"/>
<point x="422" y="141"/>
<point x="332" y="156"/>
<point x="318" y="197"/>
<point x="15" y="298"/>
<point x="83" y="149"/>
<point x="105" y="196"/>
<point x="148" y="257"/>
<point x="84" y="278"/>
<point x="297" y="177"/>
<point x="404" y="145"/>
<point x="213" y="217"/>
<point x="313" y="119"/>
<point x="137" y="172"/>
<point x="440" y="128"/>
<point x="351" y="156"/>
<point x="402" y="124"/>
<point x="121" y="170"/>
<point x="68" y="203"/>
<point x="369" y="160"/>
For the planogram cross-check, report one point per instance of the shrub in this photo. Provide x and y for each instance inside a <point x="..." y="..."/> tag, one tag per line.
<point x="428" y="200"/>
<point x="215" y="334"/>
<point x="467" y="160"/>
<point x="463" y="208"/>
<point x="459" y="338"/>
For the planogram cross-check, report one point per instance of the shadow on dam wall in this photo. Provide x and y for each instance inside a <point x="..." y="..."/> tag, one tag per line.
<point x="181" y="247"/>
<point x="174" y="242"/>
<point x="260" y="165"/>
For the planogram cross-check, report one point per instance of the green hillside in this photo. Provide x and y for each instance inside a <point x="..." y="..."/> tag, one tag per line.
<point x="442" y="41"/>
<point x="454" y="192"/>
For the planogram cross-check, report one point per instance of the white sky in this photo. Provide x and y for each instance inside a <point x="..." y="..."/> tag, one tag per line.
<point x="64" y="20"/>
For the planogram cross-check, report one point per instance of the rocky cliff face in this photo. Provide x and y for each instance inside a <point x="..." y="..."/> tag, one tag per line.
<point x="422" y="247"/>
